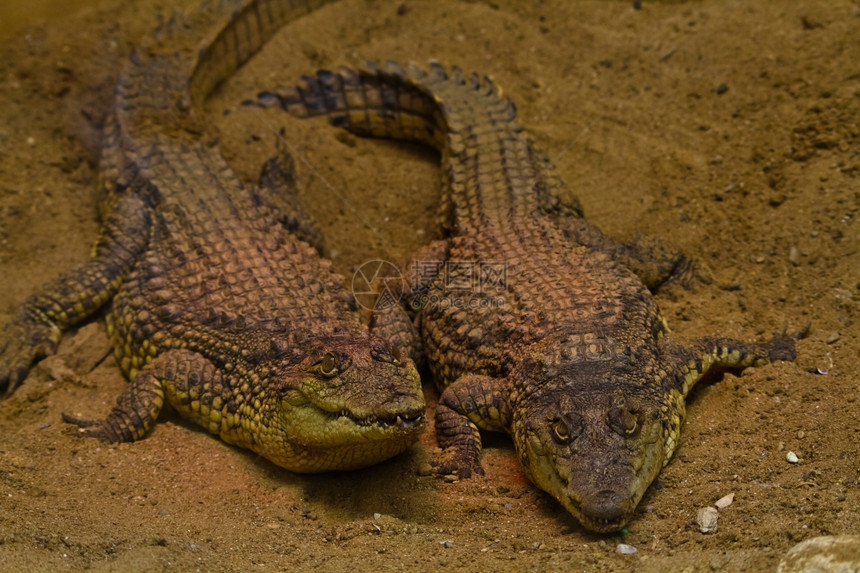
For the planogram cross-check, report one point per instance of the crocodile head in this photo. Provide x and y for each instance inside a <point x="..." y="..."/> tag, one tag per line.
<point x="594" y="440"/>
<point x="348" y="404"/>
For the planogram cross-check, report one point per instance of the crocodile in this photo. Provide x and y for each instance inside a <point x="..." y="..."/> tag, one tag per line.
<point x="216" y="302"/>
<point x="533" y="321"/>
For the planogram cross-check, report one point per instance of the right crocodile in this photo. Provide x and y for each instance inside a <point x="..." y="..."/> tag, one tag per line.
<point x="214" y="304"/>
<point x="532" y="320"/>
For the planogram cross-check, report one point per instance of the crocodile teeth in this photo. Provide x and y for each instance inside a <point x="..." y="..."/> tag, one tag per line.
<point x="402" y="421"/>
<point x="410" y="422"/>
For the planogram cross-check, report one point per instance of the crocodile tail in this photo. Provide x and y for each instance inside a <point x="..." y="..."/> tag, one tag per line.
<point x="188" y="56"/>
<point x="249" y="27"/>
<point x="395" y="102"/>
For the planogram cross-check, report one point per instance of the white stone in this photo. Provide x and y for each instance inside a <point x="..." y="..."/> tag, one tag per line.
<point x="725" y="501"/>
<point x="707" y="518"/>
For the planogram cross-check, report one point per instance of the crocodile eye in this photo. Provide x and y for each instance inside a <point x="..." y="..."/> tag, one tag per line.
<point x="631" y="423"/>
<point x="623" y="421"/>
<point x="565" y="428"/>
<point x="560" y="432"/>
<point x="395" y="354"/>
<point x="328" y="366"/>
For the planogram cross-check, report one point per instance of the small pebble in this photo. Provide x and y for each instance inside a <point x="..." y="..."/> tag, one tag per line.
<point x="625" y="549"/>
<point x="722" y="88"/>
<point x="791" y="457"/>
<point x="825" y="370"/>
<point x="833" y="337"/>
<point x="707" y="518"/>
<point x="794" y="256"/>
<point x="447" y="544"/>
<point x="377" y="515"/>
<point x="425" y="469"/>
<point x="725" y="501"/>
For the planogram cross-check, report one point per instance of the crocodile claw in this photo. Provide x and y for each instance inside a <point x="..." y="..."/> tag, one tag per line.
<point x="99" y="429"/>
<point x="458" y="464"/>
<point x="22" y="344"/>
<point x="781" y="347"/>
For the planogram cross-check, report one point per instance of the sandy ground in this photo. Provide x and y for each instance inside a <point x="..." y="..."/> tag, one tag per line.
<point x="729" y="128"/>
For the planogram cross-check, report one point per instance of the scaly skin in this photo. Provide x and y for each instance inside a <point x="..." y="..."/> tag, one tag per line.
<point x="214" y="305"/>
<point x="533" y="322"/>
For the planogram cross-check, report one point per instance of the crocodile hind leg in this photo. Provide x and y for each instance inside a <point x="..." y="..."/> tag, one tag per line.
<point x="184" y="378"/>
<point x="657" y="263"/>
<point x="277" y="190"/>
<point x="40" y="322"/>
<point x="653" y="260"/>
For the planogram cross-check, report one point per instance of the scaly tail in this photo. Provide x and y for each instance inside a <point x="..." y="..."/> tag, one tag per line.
<point x="249" y="27"/>
<point x="396" y="103"/>
<point x="190" y="55"/>
<point x="462" y="118"/>
<point x="171" y="72"/>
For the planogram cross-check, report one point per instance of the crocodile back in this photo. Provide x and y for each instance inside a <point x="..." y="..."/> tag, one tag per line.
<point x="510" y="277"/>
<point x="218" y="259"/>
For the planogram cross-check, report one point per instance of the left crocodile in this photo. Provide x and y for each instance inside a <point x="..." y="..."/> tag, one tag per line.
<point x="216" y="304"/>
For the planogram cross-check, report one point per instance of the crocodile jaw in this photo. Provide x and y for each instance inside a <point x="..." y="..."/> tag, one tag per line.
<point x="329" y="442"/>
<point x="322" y="431"/>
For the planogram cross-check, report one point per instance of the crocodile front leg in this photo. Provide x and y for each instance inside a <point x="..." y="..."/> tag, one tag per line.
<point x="470" y="404"/>
<point x="688" y="364"/>
<point x="181" y="377"/>
<point x="394" y="325"/>
<point x="39" y="324"/>
<point x="393" y="322"/>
